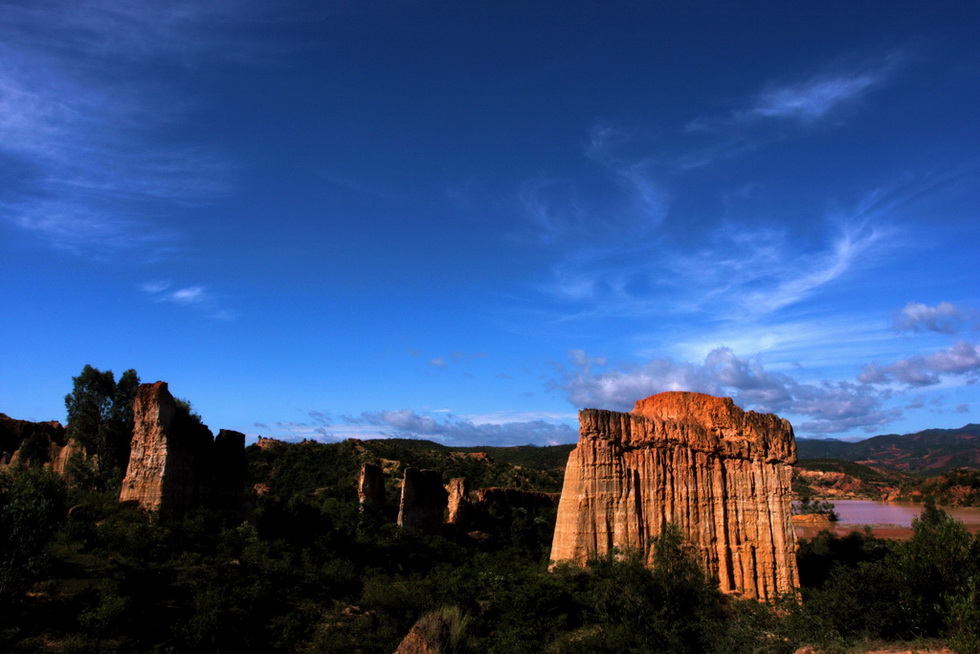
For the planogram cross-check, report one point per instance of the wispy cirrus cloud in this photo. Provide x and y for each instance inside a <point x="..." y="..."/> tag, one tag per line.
<point x="806" y="102"/>
<point x="737" y="273"/>
<point x="85" y="113"/>
<point x="446" y="360"/>
<point x="196" y="296"/>
<point x="815" y="97"/>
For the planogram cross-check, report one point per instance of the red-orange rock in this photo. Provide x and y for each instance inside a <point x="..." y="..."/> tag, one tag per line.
<point x="14" y="433"/>
<point x="719" y="473"/>
<point x="267" y="443"/>
<point x="459" y="500"/>
<point x="175" y="463"/>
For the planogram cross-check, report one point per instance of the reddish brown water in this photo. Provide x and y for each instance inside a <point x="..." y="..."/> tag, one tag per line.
<point x="886" y="519"/>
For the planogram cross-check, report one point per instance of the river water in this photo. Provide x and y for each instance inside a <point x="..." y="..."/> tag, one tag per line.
<point x="887" y="519"/>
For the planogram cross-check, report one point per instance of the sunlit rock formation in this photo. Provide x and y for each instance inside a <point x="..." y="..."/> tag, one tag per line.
<point x="423" y="502"/>
<point x="721" y="474"/>
<point x="175" y="464"/>
<point x="459" y="500"/>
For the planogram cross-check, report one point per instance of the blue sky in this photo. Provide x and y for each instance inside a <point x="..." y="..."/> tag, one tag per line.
<point x="464" y="221"/>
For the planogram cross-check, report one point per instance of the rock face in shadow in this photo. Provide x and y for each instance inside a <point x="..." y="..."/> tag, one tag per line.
<point x="45" y="441"/>
<point x="423" y="502"/>
<point x="515" y="498"/>
<point x="229" y="470"/>
<point x="175" y="464"/>
<point x="371" y="488"/>
<point x="719" y="473"/>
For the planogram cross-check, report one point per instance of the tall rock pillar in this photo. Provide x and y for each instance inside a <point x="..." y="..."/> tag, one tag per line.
<point x="721" y="474"/>
<point x="174" y="462"/>
<point x="423" y="502"/>
<point x="371" y="488"/>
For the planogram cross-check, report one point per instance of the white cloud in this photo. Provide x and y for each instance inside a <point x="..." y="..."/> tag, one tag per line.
<point x="155" y="287"/>
<point x="963" y="358"/>
<point x="944" y="318"/>
<point x="813" y="98"/>
<point x="189" y="295"/>
<point x="820" y="95"/>
<point x="817" y="272"/>
<point x="455" y="430"/>
<point x="454" y="358"/>
<point x="827" y="407"/>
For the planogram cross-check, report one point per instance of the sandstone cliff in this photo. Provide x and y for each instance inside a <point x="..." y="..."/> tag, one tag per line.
<point x="721" y="474"/>
<point x="423" y="501"/>
<point x="459" y="500"/>
<point x="45" y="440"/>
<point x="175" y="464"/>
<point x="371" y="488"/>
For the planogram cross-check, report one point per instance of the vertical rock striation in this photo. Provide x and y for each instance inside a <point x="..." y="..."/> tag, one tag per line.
<point x="459" y="500"/>
<point x="175" y="464"/>
<point x="423" y="501"/>
<point x="719" y="473"/>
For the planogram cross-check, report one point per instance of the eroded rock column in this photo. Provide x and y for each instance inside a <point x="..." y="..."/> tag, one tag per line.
<point x="722" y="475"/>
<point x="423" y="502"/>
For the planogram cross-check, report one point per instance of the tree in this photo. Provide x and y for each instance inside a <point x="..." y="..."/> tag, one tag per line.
<point x="100" y="417"/>
<point x="935" y="562"/>
<point x="32" y="504"/>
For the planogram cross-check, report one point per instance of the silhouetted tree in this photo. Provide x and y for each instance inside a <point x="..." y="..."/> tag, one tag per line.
<point x="100" y="417"/>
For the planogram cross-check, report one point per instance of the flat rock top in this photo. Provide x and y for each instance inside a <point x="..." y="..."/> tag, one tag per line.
<point x="683" y="406"/>
<point x="703" y="422"/>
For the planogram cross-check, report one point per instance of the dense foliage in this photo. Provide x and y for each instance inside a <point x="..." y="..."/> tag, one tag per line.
<point x="954" y="488"/>
<point x="100" y="417"/>
<point x="307" y="572"/>
<point x="302" y="569"/>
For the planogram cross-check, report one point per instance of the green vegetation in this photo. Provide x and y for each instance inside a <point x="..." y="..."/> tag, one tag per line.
<point x="308" y="572"/>
<point x="100" y="417"/>
<point x="954" y="488"/>
<point x="305" y="571"/>
<point x="858" y="471"/>
<point x="860" y="588"/>
<point x="809" y="506"/>
<point x="932" y="450"/>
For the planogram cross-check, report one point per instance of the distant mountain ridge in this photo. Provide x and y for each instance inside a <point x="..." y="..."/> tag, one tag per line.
<point x="930" y="450"/>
